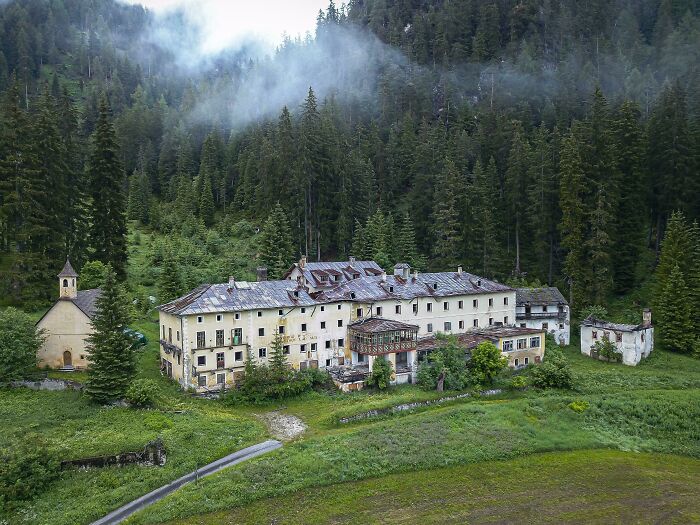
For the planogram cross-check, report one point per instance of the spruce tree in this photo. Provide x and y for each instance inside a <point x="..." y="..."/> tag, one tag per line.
<point x="674" y="316"/>
<point x="515" y="186"/>
<point x="279" y="366"/>
<point x="446" y="216"/>
<point x="276" y="243"/>
<point x="206" y="201"/>
<point x="484" y="228"/>
<point x="108" y="204"/>
<point x="112" y="360"/>
<point x="407" y="251"/>
<point x="170" y="280"/>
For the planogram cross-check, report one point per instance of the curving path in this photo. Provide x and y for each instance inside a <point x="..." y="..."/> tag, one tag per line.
<point x="120" y="514"/>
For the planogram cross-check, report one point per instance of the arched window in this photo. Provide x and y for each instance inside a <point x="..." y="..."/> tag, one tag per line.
<point x="65" y="283"/>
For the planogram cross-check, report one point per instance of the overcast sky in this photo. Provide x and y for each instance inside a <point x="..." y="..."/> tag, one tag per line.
<point x="226" y="22"/>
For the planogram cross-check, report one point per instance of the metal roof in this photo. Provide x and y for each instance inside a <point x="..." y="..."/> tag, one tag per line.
<point x="379" y="324"/>
<point x="241" y="295"/>
<point x="68" y="270"/>
<point x="607" y="325"/>
<point x="344" y="270"/>
<point x="547" y="295"/>
<point x="442" y="284"/>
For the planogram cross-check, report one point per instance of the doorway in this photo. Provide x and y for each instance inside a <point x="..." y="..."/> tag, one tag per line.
<point x="67" y="359"/>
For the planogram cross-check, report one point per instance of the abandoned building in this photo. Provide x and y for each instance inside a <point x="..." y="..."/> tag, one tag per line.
<point x="544" y="308"/>
<point x="338" y="316"/>
<point x="634" y="342"/>
<point x="67" y="324"/>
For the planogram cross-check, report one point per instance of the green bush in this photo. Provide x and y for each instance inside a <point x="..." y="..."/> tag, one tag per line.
<point x="19" y="343"/>
<point x="381" y="374"/>
<point x="449" y="359"/>
<point x="579" y="406"/>
<point x="554" y="372"/>
<point x="142" y="393"/>
<point x="608" y="350"/>
<point x="486" y="363"/>
<point x="25" y="470"/>
<point x="518" y="382"/>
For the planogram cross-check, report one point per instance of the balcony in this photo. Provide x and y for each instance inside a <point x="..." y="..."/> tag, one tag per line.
<point x="541" y="315"/>
<point x="377" y="336"/>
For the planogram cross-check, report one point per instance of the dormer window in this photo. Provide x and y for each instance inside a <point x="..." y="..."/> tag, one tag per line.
<point x="435" y="286"/>
<point x="296" y="293"/>
<point x="391" y="289"/>
<point x="355" y="275"/>
<point x="352" y="295"/>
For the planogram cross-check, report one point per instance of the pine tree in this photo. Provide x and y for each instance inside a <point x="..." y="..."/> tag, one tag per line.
<point x="446" y="250"/>
<point x="573" y="220"/>
<point x="675" y="325"/>
<point x="279" y="366"/>
<point x="407" y="251"/>
<point x="515" y="185"/>
<point x="112" y="361"/>
<point x="276" y="243"/>
<point x="139" y="197"/>
<point x="598" y="247"/>
<point x="170" y="281"/>
<point x="206" y="201"/>
<point x="484" y="217"/>
<point x="108" y="205"/>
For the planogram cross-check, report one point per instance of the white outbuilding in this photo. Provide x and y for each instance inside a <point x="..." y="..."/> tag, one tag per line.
<point x="634" y="342"/>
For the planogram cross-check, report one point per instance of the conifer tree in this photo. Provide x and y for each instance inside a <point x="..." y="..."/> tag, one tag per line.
<point x="112" y="361"/>
<point x="407" y="251"/>
<point x="484" y="214"/>
<point x="276" y="243"/>
<point x="279" y="366"/>
<point x="170" y="280"/>
<point x="516" y="183"/>
<point x="108" y="204"/>
<point x="674" y="325"/>
<point x="206" y="201"/>
<point x="446" y="217"/>
<point x="139" y="197"/>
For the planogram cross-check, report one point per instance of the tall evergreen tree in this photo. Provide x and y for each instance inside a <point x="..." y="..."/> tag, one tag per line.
<point x="674" y="317"/>
<point x="112" y="360"/>
<point x="446" y="215"/>
<point x="108" y="204"/>
<point x="206" y="201"/>
<point x="276" y="243"/>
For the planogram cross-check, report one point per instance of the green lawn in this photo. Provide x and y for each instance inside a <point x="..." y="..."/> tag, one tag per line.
<point x="601" y="486"/>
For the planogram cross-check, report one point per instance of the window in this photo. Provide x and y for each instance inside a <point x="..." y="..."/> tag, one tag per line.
<point x="328" y="362"/>
<point x="323" y="325"/>
<point x="201" y="360"/>
<point x="341" y="343"/>
<point x="170" y="335"/>
<point x="544" y="308"/>
<point x="238" y="356"/>
<point x="201" y="340"/>
<point x="340" y="306"/>
<point x="379" y="310"/>
<point x="415" y="308"/>
<point x="360" y="358"/>
<point x="202" y="380"/>
<point x="220" y="360"/>
<point x="430" y="327"/>
<point x="516" y="362"/>
<point x="163" y="337"/>
<point x="314" y="346"/>
<point x="262" y="352"/>
<point x="397" y="308"/>
<point x="219" y="338"/>
<point x="429" y="307"/>
<point x="177" y="334"/>
<point x="200" y="319"/>
<point x="302" y="349"/>
<point x="522" y="325"/>
<point x="594" y="334"/>
<point x="461" y="325"/>
<point x="491" y="321"/>
<point x="460" y="304"/>
<point x="505" y="320"/>
<point x="476" y="323"/>
<point x="475" y="303"/>
<point x="618" y="337"/>
<point x="606" y="335"/>
<point x="561" y="326"/>
<point x="545" y="326"/>
<point x="236" y="316"/>
<point x="507" y="346"/>
<point x="303" y="327"/>
<point x="280" y="312"/>
<point x="328" y="344"/>
<point x="505" y="301"/>
<point x="285" y="349"/>
<point x="527" y="360"/>
<point x="280" y="329"/>
<point x="340" y="323"/>
<point x="65" y="283"/>
<point x="352" y="295"/>
<point x="261" y="332"/>
<point x="448" y="326"/>
<point x="219" y="318"/>
<point x="642" y="338"/>
<point x="522" y="344"/>
<point x="178" y="358"/>
<point x="237" y="336"/>
<point x="391" y="289"/>
<point x="445" y="306"/>
<point x="323" y="308"/>
<point x="490" y="301"/>
<point x="303" y="310"/>
<point x="359" y="312"/>
<point x="435" y="286"/>
<point x="220" y="379"/>
<point x="534" y="342"/>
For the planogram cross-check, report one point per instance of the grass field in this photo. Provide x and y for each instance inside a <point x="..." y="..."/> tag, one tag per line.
<point x="601" y="486"/>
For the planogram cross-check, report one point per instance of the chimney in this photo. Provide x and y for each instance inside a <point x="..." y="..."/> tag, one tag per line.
<point x="302" y="261"/>
<point x="646" y="317"/>
<point x="231" y="282"/>
<point x="352" y="258"/>
<point x="383" y="276"/>
<point x="415" y="274"/>
<point x="262" y="273"/>
<point x="459" y="270"/>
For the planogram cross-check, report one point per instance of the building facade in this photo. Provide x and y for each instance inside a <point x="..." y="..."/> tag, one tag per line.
<point x="633" y="342"/>
<point x="546" y="309"/>
<point x="67" y="324"/>
<point x="206" y="335"/>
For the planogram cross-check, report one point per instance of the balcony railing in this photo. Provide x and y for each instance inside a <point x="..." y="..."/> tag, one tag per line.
<point x="540" y="315"/>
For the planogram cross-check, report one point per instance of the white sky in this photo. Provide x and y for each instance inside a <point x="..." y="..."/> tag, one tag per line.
<point x="226" y="22"/>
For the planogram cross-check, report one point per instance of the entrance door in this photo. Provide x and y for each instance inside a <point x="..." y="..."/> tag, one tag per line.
<point x="67" y="359"/>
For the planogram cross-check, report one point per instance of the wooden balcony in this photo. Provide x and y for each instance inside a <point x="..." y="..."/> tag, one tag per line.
<point x="377" y="336"/>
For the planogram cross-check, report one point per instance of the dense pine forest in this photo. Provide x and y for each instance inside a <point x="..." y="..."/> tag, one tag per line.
<point x="531" y="140"/>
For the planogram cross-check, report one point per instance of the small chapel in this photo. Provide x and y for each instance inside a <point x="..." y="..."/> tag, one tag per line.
<point x="67" y="324"/>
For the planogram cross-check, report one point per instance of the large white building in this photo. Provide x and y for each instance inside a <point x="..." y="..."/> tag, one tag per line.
<point x="544" y="308"/>
<point x="634" y="342"/>
<point x="328" y="315"/>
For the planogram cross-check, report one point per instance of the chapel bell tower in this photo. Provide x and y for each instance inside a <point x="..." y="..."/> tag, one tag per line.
<point x="68" y="282"/>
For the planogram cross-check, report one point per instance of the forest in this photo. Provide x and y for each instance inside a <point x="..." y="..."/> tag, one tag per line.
<point x="530" y="140"/>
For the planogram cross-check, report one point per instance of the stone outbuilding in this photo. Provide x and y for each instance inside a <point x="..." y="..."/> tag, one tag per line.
<point x="634" y="342"/>
<point x="68" y="323"/>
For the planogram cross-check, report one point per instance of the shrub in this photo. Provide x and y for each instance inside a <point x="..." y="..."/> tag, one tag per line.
<point x="25" y="470"/>
<point x="554" y="372"/>
<point x="381" y="374"/>
<point x="608" y="350"/>
<point x="142" y="393"/>
<point x="518" y="382"/>
<point x="578" y="406"/>
<point x="449" y="359"/>
<point x="19" y="343"/>
<point x="486" y="363"/>
<point x="596" y="310"/>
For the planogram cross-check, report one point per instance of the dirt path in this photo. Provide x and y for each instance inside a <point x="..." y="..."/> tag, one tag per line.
<point x="284" y="427"/>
